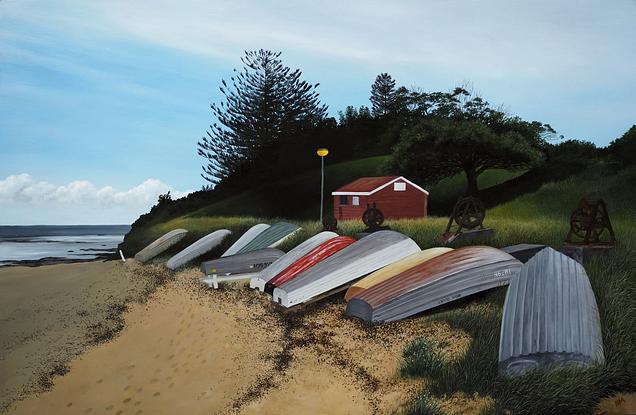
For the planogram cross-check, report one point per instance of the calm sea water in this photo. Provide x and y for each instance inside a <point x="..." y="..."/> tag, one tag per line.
<point x="19" y="243"/>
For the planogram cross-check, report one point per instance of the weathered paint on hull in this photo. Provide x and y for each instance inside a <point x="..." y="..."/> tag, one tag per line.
<point x="271" y="237"/>
<point x="246" y="238"/>
<point x="445" y="278"/>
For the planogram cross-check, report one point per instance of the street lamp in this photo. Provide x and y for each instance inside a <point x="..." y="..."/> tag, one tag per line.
<point x="322" y="153"/>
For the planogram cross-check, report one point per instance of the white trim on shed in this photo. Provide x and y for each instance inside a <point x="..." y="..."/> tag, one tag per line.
<point x="377" y="189"/>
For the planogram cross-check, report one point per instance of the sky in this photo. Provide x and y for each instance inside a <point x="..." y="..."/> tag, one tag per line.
<point x="102" y="102"/>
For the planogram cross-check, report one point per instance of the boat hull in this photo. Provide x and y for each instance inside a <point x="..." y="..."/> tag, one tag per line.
<point x="550" y="317"/>
<point x="355" y="261"/>
<point x="394" y="269"/>
<point x="200" y="247"/>
<point x="246" y="238"/>
<point x="440" y="280"/>
<point x="289" y="258"/>
<point x="248" y="262"/>
<point x="271" y="237"/>
<point x="160" y="245"/>
<point x="318" y="254"/>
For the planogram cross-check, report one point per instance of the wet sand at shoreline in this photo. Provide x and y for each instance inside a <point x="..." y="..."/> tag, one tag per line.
<point x="50" y="314"/>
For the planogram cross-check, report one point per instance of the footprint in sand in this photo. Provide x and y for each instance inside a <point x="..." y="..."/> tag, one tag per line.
<point x="110" y="407"/>
<point x="99" y="381"/>
<point x="119" y="412"/>
<point x="156" y="394"/>
<point x="68" y="405"/>
<point x="171" y="385"/>
<point x="127" y="400"/>
<point x="137" y="403"/>
<point x="88" y="410"/>
<point x="139" y="412"/>
<point x="154" y="380"/>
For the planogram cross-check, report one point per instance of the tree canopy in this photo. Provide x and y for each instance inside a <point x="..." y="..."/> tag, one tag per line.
<point x="462" y="133"/>
<point x="264" y="103"/>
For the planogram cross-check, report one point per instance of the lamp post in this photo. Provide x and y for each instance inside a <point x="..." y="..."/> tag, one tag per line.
<point x="322" y="153"/>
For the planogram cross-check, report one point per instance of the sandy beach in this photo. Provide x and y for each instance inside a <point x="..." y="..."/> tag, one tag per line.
<point x="190" y="349"/>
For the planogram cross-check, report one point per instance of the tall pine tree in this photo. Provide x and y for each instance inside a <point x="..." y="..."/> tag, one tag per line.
<point x="266" y="103"/>
<point x="382" y="95"/>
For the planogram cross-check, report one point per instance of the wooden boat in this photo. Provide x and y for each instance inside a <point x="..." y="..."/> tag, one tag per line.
<point x="160" y="245"/>
<point x="357" y="260"/>
<point x="550" y="317"/>
<point x="448" y="277"/>
<point x="394" y="269"/>
<point x="238" y="267"/>
<point x="200" y="247"/>
<point x="316" y="255"/>
<point x="289" y="258"/>
<point x="246" y="238"/>
<point x="271" y="237"/>
<point x="523" y="252"/>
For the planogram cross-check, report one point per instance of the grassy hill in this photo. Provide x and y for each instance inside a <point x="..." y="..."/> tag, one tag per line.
<point x="298" y="198"/>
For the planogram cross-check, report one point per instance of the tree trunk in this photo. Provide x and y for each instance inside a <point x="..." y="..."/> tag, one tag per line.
<point x="471" y="182"/>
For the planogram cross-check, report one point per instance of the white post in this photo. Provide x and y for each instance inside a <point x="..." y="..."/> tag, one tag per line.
<point x="322" y="184"/>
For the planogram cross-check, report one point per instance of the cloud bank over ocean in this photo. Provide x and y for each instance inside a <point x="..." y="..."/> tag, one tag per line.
<point x="25" y="200"/>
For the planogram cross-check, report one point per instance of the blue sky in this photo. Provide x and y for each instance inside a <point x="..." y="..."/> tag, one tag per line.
<point x="102" y="100"/>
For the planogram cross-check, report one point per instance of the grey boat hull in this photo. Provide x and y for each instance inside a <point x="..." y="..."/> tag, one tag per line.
<point x="550" y="317"/>
<point x="249" y="262"/>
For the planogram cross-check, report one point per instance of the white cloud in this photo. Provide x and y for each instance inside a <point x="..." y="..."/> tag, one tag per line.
<point x="49" y="203"/>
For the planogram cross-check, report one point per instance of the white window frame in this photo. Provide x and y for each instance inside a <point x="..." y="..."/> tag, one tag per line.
<point x="355" y="201"/>
<point x="399" y="187"/>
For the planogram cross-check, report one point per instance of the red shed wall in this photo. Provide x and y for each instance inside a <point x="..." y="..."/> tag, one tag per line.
<point x="411" y="203"/>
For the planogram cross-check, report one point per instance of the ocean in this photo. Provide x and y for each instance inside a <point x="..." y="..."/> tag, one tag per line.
<point x="58" y="243"/>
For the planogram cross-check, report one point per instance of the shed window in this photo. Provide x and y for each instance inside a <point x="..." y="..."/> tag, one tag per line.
<point x="399" y="187"/>
<point x="343" y="200"/>
<point x="355" y="201"/>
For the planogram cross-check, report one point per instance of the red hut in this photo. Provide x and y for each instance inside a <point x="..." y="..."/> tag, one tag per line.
<point x="395" y="196"/>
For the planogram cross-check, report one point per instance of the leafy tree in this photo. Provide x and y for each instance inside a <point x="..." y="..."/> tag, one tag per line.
<point x="382" y="95"/>
<point x="439" y="148"/>
<point x="623" y="149"/>
<point x="263" y="104"/>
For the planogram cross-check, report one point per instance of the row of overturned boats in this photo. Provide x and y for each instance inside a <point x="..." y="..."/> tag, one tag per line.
<point x="550" y="314"/>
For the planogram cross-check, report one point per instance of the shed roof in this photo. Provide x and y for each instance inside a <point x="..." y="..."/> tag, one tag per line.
<point x="365" y="186"/>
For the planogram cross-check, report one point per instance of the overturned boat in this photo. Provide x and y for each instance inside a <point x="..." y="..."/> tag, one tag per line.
<point x="271" y="237"/>
<point x="289" y="258"/>
<point x="523" y="252"/>
<point x="394" y="269"/>
<point x="200" y="247"/>
<point x="160" y="245"/>
<point x="246" y="238"/>
<point x="445" y="278"/>
<point x="316" y="255"/>
<point x="550" y="317"/>
<point x="370" y="253"/>
<point x="238" y="267"/>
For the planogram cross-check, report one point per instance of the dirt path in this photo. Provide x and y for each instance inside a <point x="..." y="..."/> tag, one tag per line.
<point x="194" y="351"/>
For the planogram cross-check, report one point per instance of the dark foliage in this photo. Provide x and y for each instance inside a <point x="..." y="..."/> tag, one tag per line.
<point x="459" y="132"/>
<point x="383" y="95"/>
<point x="623" y="150"/>
<point x="265" y="103"/>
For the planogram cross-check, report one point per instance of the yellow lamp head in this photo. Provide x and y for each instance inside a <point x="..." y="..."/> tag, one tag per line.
<point x="322" y="152"/>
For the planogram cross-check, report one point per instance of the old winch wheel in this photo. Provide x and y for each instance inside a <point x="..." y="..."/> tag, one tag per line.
<point x="373" y="217"/>
<point x="330" y="223"/>
<point x="469" y="213"/>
